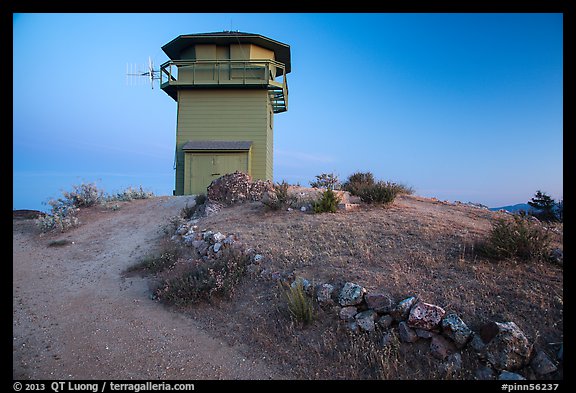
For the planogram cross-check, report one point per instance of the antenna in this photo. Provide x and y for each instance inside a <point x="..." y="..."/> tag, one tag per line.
<point x="152" y="74"/>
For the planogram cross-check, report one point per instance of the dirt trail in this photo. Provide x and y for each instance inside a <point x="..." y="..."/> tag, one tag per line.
<point x="76" y="317"/>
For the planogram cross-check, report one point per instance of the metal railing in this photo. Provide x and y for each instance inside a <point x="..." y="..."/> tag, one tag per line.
<point x="254" y="72"/>
<point x="200" y="72"/>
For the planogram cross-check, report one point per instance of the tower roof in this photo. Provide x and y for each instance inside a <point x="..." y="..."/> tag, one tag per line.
<point x="281" y="50"/>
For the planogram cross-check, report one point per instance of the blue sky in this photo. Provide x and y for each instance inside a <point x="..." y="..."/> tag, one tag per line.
<point x="462" y="107"/>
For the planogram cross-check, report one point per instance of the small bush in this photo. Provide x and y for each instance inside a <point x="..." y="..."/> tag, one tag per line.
<point x="380" y="192"/>
<point x="158" y="263"/>
<point x="130" y="194"/>
<point x="64" y="210"/>
<point x="279" y="198"/>
<point x="83" y="195"/>
<point x="518" y="238"/>
<point x="62" y="216"/>
<point x="363" y="185"/>
<point x="204" y="280"/>
<point x="357" y="181"/>
<point x="328" y="203"/>
<point x="300" y="306"/>
<point x="326" y="180"/>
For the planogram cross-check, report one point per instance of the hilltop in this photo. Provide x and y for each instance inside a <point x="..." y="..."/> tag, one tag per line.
<point x="414" y="247"/>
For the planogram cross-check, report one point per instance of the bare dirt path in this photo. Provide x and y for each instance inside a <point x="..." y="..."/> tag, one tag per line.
<point x="76" y="317"/>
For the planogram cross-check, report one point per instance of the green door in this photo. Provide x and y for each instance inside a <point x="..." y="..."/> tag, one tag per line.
<point x="205" y="167"/>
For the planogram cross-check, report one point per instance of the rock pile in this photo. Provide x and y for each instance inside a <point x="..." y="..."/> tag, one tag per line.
<point x="237" y="187"/>
<point x="502" y="346"/>
<point x="204" y="243"/>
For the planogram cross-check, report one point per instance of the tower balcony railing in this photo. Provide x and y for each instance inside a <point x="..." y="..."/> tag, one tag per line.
<point x="264" y="73"/>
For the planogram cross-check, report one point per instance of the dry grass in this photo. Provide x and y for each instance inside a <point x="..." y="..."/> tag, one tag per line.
<point x="416" y="246"/>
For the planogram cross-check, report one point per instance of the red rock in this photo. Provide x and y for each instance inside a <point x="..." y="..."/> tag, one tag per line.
<point x="425" y="316"/>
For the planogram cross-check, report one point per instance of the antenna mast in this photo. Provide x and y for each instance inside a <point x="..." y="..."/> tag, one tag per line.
<point x="152" y="74"/>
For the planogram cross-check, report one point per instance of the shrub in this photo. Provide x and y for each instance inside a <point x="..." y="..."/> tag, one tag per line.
<point x="83" y="195"/>
<point x="357" y="181"/>
<point x="166" y="259"/>
<point x="300" y="305"/>
<point x="328" y="203"/>
<point x="130" y="194"/>
<point x="362" y="184"/>
<point x="64" y="210"/>
<point x="62" y="216"/>
<point x="326" y="180"/>
<point x="279" y="197"/>
<point x="380" y="192"/>
<point x="517" y="238"/>
<point x="204" y="280"/>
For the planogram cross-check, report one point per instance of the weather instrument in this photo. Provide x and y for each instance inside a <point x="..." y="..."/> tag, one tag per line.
<point x="151" y="74"/>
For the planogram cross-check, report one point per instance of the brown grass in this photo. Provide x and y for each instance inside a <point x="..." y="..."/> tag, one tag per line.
<point x="416" y="246"/>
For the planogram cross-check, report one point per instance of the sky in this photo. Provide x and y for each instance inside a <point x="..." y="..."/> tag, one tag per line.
<point x="461" y="107"/>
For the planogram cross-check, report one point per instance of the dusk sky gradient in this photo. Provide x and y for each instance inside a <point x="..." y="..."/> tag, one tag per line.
<point x="462" y="107"/>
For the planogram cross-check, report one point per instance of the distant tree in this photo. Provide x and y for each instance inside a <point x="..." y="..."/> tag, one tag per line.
<point x="544" y="204"/>
<point x="329" y="181"/>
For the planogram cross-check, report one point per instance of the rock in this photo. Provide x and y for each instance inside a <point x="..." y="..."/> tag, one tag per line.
<point x="452" y="365"/>
<point x="510" y="376"/>
<point x="324" y="294"/>
<point x="478" y="345"/>
<point x="237" y="187"/>
<point x="424" y="333"/>
<point x="182" y="229"/>
<point x="188" y="239"/>
<point x="385" y="321"/>
<point x="379" y="302"/>
<point x="557" y="256"/>
<point x="201" y="247"/>
<point x="207" y="235"/>
<point x="303" y="209"/>
<point x="455" y="329"/>
<point x="218" y="237"/>
<point x="406" y="334"/>
<point x="425" y="316"/>
<point x="351" y="294"/>
<point x="365" y="320"/>
<point x="302" y="281"/>
<point x="197" y="243"/>
<point x="348" y="313"/>
<point x="507" y="348"/>
<point x="217" y="246"/>
<point x="353" y="327"/>
<point x="258" y="258"/>
<point x="441" y="348"/>
<point x="402" y="309"/>
<point x="484" y="373"/>
<point x="542" y="365"/>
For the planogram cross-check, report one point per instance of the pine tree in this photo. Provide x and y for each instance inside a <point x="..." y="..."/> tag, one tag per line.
<point x="544" y="204"/>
